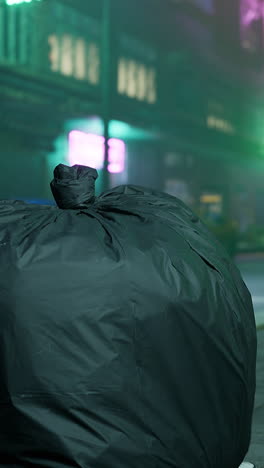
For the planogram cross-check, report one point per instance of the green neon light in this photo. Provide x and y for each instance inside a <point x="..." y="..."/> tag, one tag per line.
<point x="18" y="2"/>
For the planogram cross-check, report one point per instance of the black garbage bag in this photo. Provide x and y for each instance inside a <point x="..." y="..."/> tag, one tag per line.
<point x="127" y="335"/>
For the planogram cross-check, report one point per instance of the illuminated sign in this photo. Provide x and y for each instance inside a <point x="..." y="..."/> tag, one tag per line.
<point x="17" y="2"/>
<point x="88" y="149"/>
<point x="211" y="206"/>
<point x="76" y="57"/>
<point x="252" y="23"/>
<point x="211" y="198"/>
<point x="251" y="10"/>
<point x="136" y="80"/>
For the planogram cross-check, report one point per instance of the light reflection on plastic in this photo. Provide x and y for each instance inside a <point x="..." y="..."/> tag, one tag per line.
<point x="87" y="149"/>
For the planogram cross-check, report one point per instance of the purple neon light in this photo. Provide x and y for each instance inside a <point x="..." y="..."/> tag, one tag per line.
<point x="117" y="150"/>
<point x="88" y="149"/>
<point x="251" y="10"/>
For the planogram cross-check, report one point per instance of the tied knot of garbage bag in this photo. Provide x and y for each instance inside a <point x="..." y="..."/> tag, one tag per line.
<point x="74" y="187"/>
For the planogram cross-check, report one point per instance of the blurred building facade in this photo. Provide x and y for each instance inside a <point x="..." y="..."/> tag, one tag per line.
<point x="177" y="83"/>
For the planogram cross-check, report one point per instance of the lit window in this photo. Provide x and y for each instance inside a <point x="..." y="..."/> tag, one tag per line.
<point x="80" y="59"/>
<point x="131" y="78"/>
<point x="93" y="64"/>
<point x="122" y="77"/>
<point x="54" y="55"/>
<point x="151" y="86"/>
<point x="75" y="57"/>
<point x="141" y="83"/>
<point x="137" y="81"/>
<point x="220" y="124"/>
<point x="67" y="56"/>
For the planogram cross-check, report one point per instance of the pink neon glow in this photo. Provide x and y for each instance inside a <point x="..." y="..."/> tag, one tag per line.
<point x="117" y="151"/>
<point x="251" y="10"/>
<point x="249" y="17"/>
<point x="88" y="149"/>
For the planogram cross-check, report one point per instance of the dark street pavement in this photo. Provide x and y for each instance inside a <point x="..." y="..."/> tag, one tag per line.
<point x="252" y="270"/>
<point x="256" y="452"/>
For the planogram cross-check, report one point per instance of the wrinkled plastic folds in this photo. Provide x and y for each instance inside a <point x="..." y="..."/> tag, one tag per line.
<point x="127" y="335"/>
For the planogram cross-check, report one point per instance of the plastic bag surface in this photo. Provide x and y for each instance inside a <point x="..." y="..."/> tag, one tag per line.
<point x="127" y="335"/>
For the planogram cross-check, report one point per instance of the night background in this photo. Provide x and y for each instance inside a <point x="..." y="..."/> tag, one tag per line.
<point x="175" y="87"/>
<point x="168" y="94"/>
